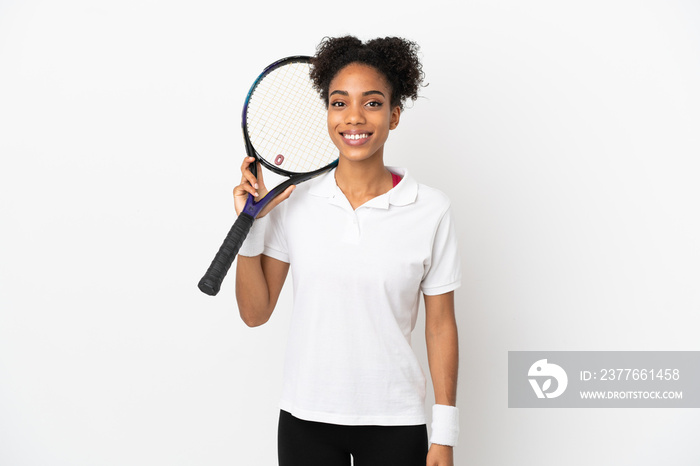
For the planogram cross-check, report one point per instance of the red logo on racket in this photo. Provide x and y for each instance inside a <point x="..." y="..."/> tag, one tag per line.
<point x="279" y="159"/>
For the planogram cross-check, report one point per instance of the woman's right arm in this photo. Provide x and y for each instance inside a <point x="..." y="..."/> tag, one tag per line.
<point x="259" y="282"/>
<point x="259" y="279"/>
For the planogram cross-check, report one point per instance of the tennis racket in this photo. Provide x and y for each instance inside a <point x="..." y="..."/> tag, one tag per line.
<point x="285" y="129"/>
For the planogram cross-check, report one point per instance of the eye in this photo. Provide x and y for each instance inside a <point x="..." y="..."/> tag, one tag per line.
<point x="337" y="103"/>
<point x="374" y="103"/>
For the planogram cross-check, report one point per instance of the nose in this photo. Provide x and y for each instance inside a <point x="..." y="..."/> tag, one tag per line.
<point x="354" y="115"/>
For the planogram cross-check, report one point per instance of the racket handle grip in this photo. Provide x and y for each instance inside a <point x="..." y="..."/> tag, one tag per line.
<point x="211" y="281"/>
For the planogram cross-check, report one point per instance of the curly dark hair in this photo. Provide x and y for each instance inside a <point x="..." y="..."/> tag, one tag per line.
<point x="394" y="57"/>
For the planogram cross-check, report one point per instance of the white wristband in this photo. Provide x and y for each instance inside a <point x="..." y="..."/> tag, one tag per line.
<point x="445" y="426"/>
<point x="254" y="243"/>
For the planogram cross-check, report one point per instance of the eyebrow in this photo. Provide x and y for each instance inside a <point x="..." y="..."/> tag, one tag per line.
<point x="345" y="93"/>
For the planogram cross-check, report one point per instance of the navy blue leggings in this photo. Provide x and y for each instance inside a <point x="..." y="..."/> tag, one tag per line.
<point x="306" y="443"/>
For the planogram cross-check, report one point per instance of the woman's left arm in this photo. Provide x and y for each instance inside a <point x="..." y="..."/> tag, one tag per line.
<point x="443" y="359"/>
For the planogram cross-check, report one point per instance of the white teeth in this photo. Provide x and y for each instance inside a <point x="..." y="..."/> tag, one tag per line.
<point x="356" y="136"/>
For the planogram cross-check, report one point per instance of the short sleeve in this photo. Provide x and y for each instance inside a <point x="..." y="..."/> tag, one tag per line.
<point x="275" y="237"/>
<point x="443" y="271"/>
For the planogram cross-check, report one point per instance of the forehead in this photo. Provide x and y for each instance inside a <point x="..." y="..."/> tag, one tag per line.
<point x="361" y="76"/>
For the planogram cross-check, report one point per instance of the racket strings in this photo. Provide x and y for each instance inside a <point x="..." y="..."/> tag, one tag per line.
<point x="294" y="131"/>
<point x="286" y="121"/>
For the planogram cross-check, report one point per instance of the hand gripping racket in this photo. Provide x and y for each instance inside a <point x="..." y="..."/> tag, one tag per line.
<point x="285" y="129"/>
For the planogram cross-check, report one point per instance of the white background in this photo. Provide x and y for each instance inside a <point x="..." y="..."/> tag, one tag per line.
<point x="566" y="134"/>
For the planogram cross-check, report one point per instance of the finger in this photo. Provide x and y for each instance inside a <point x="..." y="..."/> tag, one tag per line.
<point x="246" y="162"/>
<point x="276" y="201"/>
<point x="283" y="196"/>
<point x="261" y="180"/>
<point x="247" y="175"/>
<point x="244" y="189"/>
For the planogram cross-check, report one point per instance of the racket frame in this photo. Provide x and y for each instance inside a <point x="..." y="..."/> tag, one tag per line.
<point x="211" y="281"/>
<point x="253" y="207"/>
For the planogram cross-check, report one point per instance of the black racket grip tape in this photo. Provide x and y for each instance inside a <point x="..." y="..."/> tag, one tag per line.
<point x="211" y="281"/>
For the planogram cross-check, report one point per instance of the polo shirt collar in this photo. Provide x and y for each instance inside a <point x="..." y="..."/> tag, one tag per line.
<point x="402" y="194"/>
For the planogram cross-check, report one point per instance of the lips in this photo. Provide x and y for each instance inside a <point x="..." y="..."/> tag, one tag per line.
<point x="355" y="138"/>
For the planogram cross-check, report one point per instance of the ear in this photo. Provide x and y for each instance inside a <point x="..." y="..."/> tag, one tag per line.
<point x="395" y="117"/>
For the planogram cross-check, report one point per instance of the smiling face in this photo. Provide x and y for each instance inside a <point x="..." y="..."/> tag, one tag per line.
<point x="360" y="115"/>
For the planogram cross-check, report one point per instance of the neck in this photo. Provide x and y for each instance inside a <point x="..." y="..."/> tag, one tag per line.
<point x="363" y="180"/>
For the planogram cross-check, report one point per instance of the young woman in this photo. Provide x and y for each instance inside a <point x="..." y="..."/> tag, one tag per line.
<point x="363" y="242"/>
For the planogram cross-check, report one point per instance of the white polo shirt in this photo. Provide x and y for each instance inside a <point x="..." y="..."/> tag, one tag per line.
<point x="357" y="278"/>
